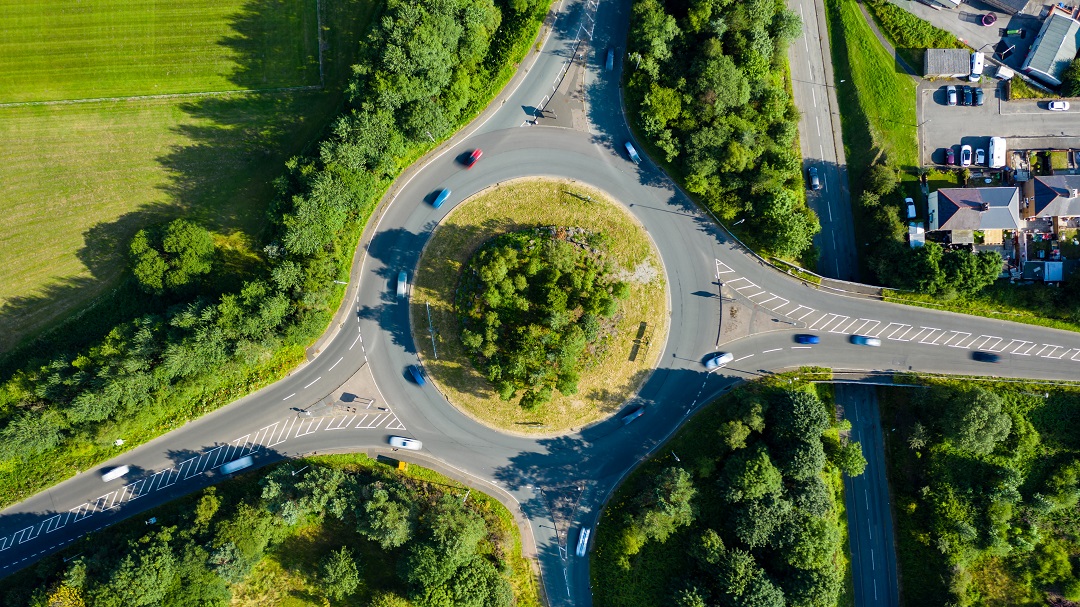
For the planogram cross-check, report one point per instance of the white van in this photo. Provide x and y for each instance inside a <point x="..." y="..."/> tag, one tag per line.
<point x="115" y="473"/>
<point x="996" y="155"/>
<point x="237" y="464"/>
<point x="976" y="67"/>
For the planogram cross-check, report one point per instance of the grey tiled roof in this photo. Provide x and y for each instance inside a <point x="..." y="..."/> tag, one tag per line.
<point x="1054" y="48"/>
<point x="977" y="209"/>
<point x="1054" y="196"/>
<point x="946" y="61"/>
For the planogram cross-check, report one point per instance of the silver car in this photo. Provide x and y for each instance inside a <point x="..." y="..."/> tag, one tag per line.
<point x="722" y="358"/>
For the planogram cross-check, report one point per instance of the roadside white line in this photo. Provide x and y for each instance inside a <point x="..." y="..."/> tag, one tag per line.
<point x="336" y="364"/>
<point x="818" y="124"/>
<point x="800" y="347"/>
<point x="289" y="396"/>
<point x="813" y="94"/>
<point x="869" y="530"/>
<point x="313" y="382"/>
<point x="773" y="350"/>
<point x="354" y="342"/>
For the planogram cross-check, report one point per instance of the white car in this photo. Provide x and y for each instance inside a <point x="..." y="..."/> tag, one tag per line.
<point x="980" y="156"/>
<point x="582" y="542"/>
<point x="722" y="358"/>
<point x="401" y="442"/>
<point x="965" y="155"/>
<point x="1058" y="106"/>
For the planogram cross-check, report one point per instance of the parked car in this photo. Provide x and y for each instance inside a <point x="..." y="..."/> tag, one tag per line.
<point x="440" y="198"/>
<point x="633" y="153"/>
<point x="950" y="156"/>
<point x="950" y="92"/>
<point x="815" y="181"/>
<point x="402" y="284"/>
<point x="405" y="443"/>
<point x="610" y="64"/>
<point x="1058" y="106"/>
<point x="980" y="156"/>
<point x="968" y="95"/>
<point x="417" y="374"/>
<point x="722" y="358"/>
<point x="863" y="340"/>
<point x="965" y="155"/>
<point x="632" y="415"/>
<point x="805" y="338"/>
<point x="978" y="96"/>
<point x="985" y="357"/>
<point x="471" y="160"/>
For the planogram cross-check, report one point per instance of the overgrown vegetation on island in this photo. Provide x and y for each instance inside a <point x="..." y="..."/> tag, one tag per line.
<point x="532" y="304"/>
<point x="986" y="482"/>
<point x="708" y="87"/>
<point x="212" y="336"/>
<point x="339" y="530"/>
<point x="745" y="510"/>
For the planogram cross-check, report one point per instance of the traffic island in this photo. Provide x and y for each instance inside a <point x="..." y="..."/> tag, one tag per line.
<point x="614" y="365"/>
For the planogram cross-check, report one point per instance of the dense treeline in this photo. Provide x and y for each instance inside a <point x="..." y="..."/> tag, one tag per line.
<point x="707" y="83"/>
<point x="746" y="517"/>
<point x="987" y="484"/>
<point x="532" y="304"/>
<point x="425" y="68"/>
<point x="381" y="538"/>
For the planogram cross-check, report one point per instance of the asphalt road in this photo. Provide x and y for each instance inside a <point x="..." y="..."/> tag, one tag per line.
<point x="870" y="528"/>
<point x="373" y="345"/>
<point x="813" y="87"/>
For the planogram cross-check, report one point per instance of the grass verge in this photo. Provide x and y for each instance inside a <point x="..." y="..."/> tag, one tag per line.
<point x="1028" y="304"/>
<point x="610" y="378"/>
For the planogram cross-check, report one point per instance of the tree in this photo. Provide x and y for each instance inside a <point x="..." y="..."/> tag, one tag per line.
<point x="976" y="421"/>
<point x="1070" y="80"/>
<point x="799" y="414"/>
<point x="918" y="437"/>
<point x="339" y="574"/>
<point x="173" y="258"/>
<point x="750" y="474"/>
<point x="881" y="179"/>
<point x="143" y="577"/>
<point x="667" y="505"/>
<point x="849" y="459"/>
<point x="709" y="548"/>
<point x="385" y="520"/>
<point x="734" y="434"/>
<point x="811" y="542"/>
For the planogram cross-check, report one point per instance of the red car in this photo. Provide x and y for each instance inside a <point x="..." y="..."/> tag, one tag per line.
<point x="476" y="154"/>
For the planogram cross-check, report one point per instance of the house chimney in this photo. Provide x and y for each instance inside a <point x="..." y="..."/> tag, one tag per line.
<point x="984" y="207"/>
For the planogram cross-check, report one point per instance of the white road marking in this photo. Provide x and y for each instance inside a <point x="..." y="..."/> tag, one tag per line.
<point x="1022" y="343"/>
<point x="354" y="342"/>
<point x="948" y="342"/>
<point x="823" y="317"/>
<point x="818" y="124"/>
<point x="773" y="350"/>
<point x="926" y="339"/>
<point x="800" y="347"/>
<point x="313" y="382"/>
<point x="839" y="323"/>
<point x="336" y="364"/>
<point x="801" y="307"/>
<point x="289" y="396"/>
<point x="722" y="268"/>
<point x="813" y="95"/>
<point x="756" y="294"/>
<point x="869" y="530"/>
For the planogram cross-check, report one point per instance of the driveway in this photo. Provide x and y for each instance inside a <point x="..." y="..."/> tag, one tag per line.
<point x="1026" y="124"/>
<point x="966" y="24"/>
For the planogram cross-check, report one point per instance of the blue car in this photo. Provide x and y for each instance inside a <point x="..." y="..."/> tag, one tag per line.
<point x="807" y="339"/>
<point x="417" y="375"/>
<point x="441" y="198"/>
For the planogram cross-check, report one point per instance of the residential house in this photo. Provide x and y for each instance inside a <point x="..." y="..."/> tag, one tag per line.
<point x="1054" y="48"/>
<point x="962" y="211"/>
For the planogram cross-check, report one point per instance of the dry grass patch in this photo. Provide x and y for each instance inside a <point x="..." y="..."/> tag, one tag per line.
<point x="611" y="377"/>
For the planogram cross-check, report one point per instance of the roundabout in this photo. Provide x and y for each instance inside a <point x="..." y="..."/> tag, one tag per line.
<point x="372" y="343"/>
<point x="613" y="367"/>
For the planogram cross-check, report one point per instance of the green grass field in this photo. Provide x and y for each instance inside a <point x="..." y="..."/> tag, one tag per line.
<point x="80" y="179"/>
<point x="68" y="49"/>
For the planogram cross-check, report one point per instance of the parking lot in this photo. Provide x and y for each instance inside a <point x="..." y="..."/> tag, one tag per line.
<point x="1026" y="124"/>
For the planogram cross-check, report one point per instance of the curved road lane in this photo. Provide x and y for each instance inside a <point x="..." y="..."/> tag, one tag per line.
<point x="357" y="391"/>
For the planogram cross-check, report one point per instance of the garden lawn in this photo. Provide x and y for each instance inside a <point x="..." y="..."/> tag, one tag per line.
<point x="610" y="377"/>
<point x="60" y="49"/>
<point x="80" y="179"/>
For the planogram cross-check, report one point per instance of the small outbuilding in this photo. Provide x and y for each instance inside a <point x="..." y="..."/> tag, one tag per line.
<point x="916" y="234"/>
<point x="1045" y="271"/>
<point x="946" y="63"/>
